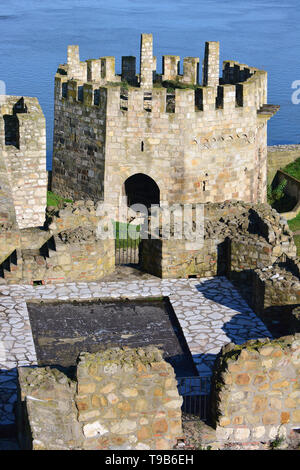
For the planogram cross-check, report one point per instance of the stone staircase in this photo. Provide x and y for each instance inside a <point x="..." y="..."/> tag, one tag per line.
<point x="27" y="264"/>
<point x="35" y="261"/>
<point x="11" y="268"/>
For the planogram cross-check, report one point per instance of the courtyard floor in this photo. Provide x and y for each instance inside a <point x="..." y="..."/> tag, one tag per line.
<point x="210" y="311"/>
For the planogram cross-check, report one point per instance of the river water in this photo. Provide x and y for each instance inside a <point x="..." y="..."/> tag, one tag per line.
<point x="260" y="33"/>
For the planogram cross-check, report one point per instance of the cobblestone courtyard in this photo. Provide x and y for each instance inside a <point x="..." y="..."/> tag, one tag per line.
<point x="210" y="311"/>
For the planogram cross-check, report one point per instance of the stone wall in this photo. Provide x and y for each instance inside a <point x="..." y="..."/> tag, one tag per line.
<point x="177" y="259"/>
<point x="72" y="255"/>
<point x="208" y="144"/>
<point x="256" y="395"/>
<point x="23" y="154"/>
<point x="275" y="293"/>
<point x="79" y="131"/>
<point x="277" y="285"/>
<point x="46" y="410"/>
<point x="123" y="399"/>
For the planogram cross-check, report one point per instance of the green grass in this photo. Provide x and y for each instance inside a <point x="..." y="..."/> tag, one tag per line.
<point x="123" y="238"/>
<point x="297" y="243"/>
<point x="293" y="169"/>
<point x="54" y="199"/>
<point x="171" y="85"/>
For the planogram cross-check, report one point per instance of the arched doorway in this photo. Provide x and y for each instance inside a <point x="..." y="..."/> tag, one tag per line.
<point x="141" y="189"/>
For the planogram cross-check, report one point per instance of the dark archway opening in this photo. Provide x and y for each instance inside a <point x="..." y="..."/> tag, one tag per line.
<point x="141" y="189"/>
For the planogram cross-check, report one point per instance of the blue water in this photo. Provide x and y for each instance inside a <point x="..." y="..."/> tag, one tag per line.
<point x="264" y="34"/>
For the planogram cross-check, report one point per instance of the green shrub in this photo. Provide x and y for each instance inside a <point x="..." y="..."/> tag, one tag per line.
<point x="275" y="194"/>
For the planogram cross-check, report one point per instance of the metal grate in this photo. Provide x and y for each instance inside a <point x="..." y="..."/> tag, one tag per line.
<point x="127" y="248"/>
<point x="195" y="392"/>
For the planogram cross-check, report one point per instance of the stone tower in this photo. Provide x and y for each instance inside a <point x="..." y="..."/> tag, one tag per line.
<point x="160" y="137"/>
<point x="23" y="175"/>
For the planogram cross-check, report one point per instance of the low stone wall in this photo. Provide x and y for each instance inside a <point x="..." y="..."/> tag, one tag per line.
<point x="66" y="249"/>
<point x="275" y="293"/>
<point x="123" y="399"/>
<point x="274" y="286"/>
<point x="256" y="395"/>
<point x="76" y="255"/>
<point x="238" y="238"/>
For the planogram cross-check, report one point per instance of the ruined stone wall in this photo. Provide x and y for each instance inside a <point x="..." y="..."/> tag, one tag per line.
<point x="123" y="399"/>
<point x="175" y="258"/>
<point x="46" y="410"/>
<point x="76" y="255"/>
<point x="238" y="238"/>
<point x="198" y="145"/>
<point x="23" y="150"/>
<point x="256" y="390"/>
<point x="275" y="293"/>
<point x="276" y="285"/>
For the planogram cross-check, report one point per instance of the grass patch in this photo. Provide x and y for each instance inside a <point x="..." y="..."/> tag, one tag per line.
<point x="55" y="200"/>
<point x="293" y="169"/>
<point x="123" y="84"/>
<point x="123" y="235"/>
<point x="297" y="243"/>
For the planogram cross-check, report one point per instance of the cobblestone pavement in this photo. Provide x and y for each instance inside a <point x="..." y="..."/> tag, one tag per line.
<point x="211" y="313"/>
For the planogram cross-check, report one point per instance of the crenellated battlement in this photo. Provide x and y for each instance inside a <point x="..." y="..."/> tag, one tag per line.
<point x="19" y="115"/>
<point x="200" y="139"/>
<point x="248" y="94"/>
<point x="170" y="92"/>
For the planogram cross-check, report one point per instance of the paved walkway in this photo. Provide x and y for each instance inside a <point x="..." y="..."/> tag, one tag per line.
<point x="211" y="313"/>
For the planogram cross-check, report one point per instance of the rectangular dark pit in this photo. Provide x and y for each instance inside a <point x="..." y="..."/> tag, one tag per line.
<point x="61" y="330"/>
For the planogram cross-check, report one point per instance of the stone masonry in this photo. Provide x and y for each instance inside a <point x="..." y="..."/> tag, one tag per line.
<point x="122" y="399"/>
<point x="238" y="238"/>
<point x="198" y="143"/>
<point x="23" y="160"/>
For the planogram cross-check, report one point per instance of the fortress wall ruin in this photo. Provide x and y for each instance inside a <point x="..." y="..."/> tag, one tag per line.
<point x="207" y="143"/>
